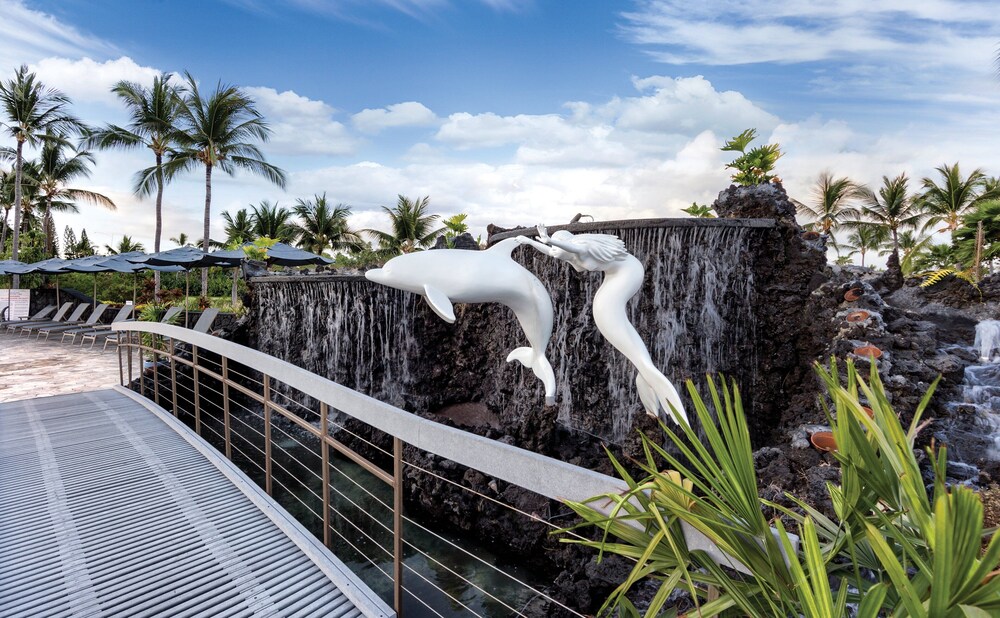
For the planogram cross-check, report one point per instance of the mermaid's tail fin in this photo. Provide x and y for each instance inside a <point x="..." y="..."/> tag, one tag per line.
<point x="657" y="392"/>
<point x="540" y="366"/>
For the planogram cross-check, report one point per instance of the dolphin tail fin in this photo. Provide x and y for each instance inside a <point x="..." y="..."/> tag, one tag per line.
<point x="539" y="365"/>
<point x="657" y="392"/>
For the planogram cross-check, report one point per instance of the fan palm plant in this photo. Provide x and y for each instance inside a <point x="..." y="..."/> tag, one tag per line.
<point x="947" y="202"/>
<point x="412" y="227"/>
<point x="325" y="227"/>
<point x="154" y="113"/>
<point x="891" y="208"/>
<point x="272" y="221"/>
<point x="30" y="113"/>
<point x="832" y="204"/>
<point x="218" y="130"/>
<point x="58" y="165"/>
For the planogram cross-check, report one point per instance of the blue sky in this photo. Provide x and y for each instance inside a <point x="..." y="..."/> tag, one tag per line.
<point x="517" y="111"/>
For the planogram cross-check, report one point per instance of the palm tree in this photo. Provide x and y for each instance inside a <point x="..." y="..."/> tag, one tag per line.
<point x="865" y="238"/>
<point x="832" y="203"/>
<point x="947" y="202"/>
<point x="31" y="112"/>
<point x="411" y="227"/>
<point x="891" y="208"/>
<point x="181" y="240"/>
<point x="55" y="170"/>
<point x="218" y="131"/>
<point x="239" y="228"/>
<point x="325" y="227"/>
<point x="153" y="116"/>
<point x="126" y="245"/>
<point x="913" y="244"/>
<point x="272" y="221"/>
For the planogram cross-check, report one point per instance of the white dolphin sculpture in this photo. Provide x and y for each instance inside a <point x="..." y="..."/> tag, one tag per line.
<point x="446" y="276"/>
<point x="623" y="275"/>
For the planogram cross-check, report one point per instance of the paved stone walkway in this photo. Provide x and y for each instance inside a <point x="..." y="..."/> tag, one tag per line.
<point x="32" y="367"/>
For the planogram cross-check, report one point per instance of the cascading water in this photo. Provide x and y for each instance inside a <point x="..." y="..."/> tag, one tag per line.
<point x="979" y="407"/>
<point x="695" y="313"/>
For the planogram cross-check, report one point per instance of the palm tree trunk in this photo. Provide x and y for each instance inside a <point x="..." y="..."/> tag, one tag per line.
<point x="862" y="259"/>
<point x="159" y="221"/>
<point x="15" y="246"/>
<point x="207" y="225"/>
<point x="3" y="231"/>
<point x="45" y="226"/>
<point x="233" y="300"/>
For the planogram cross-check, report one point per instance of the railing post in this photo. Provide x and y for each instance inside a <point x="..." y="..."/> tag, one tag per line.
<point x="225" y="407"/>
<point x="121" y="368"/>
<point x="156" y="373"/>
<point x="197" y="390"/>
<point x="173" y="377"/>
<point x="397" y="525"/>
<point x="324" y="413"/>
<point x="142" y="370"/>
<point x="267" y="434"/>
<point x="128" y="339"/>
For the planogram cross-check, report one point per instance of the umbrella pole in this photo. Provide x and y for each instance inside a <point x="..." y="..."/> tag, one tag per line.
<point x="187" y="291"/>
<point x="94" y="299"/>
<point x="135" y="280"/>
<point x="57" y="290"/>
<point x="235" y="273"/>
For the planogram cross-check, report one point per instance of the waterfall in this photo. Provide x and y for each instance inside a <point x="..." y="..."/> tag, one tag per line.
<point x="695" y="313"/>
<point x="988" y="339"/>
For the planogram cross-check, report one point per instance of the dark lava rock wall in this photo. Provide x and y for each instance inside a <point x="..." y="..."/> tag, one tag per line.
<point x="699" y="312"/>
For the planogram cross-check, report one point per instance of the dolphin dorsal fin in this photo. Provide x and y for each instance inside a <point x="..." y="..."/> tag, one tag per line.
<point x="440" y="303"/>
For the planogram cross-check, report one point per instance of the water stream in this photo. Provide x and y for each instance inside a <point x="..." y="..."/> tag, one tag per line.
<point x="977" y="412"/>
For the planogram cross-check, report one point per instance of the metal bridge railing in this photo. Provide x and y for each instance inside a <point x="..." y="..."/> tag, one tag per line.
<point x="290" y="429"/>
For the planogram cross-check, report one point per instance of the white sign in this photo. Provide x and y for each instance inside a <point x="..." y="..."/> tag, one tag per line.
<point x="17" y="300"/>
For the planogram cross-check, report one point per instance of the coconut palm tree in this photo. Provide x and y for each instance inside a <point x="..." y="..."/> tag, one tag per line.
<point x="181" y="240"/>
<point x="126" y="245"/>
<point x="154" y="113"/>
<point x="947" y="202"/>
<point x="239" y="228"/>
<point x="866" y="238"/>
<point x="218" y="130"/>
<point x="833" y="203"/>
<point x="891" y="208"/>
<point x="31" y="112"/>
<point x="411" y="227"/>
<point x="58" y="165"/>
<point x="272" y="221"/>
<point x="912" y="244"/>
<point x="325" y="227"/>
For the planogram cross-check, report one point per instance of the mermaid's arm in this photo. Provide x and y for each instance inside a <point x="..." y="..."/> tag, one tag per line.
<point x="541" y="247"/>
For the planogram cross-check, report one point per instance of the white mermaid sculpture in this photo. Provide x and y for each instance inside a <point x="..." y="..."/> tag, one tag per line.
<point x="623" y="275"/>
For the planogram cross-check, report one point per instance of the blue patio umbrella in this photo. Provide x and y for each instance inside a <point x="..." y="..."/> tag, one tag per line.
<point x="287" y="255"/>
<point x="51" y="266"/>
<point x="187" y="258"/>
<point x="114" y="264"/>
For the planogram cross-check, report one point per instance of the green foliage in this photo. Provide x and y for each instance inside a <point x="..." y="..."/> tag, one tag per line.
<point x="939" y="275"/>
<point x="832" y="205"/>
<point x="889" y="548"/>
<point x="699" y="210"/>
<point x="125" y="245"/>
<point x="753" y="167"/>
<point x="258" y="249"/>
<point x="453" y="227"/>
<point x="412" y="227"/>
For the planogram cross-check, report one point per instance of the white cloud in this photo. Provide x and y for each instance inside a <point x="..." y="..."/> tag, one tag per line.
<point x="300" y="125"/>
<point x="29" y="35"/>
<point x="88" y="81"/>
<point x="408" y="114"/>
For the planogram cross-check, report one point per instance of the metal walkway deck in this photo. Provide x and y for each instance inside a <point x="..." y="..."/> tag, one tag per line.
<point x="111" y="507"/>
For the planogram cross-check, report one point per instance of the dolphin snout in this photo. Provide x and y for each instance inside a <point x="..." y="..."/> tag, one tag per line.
<point x="377" y="275"/>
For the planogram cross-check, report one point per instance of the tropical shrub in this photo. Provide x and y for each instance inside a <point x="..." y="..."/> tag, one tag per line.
<point x="891" y="547"/>
<point x="753" y="167"/>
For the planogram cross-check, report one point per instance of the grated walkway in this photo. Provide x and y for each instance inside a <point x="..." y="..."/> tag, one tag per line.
<point x="109" y="507"/>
